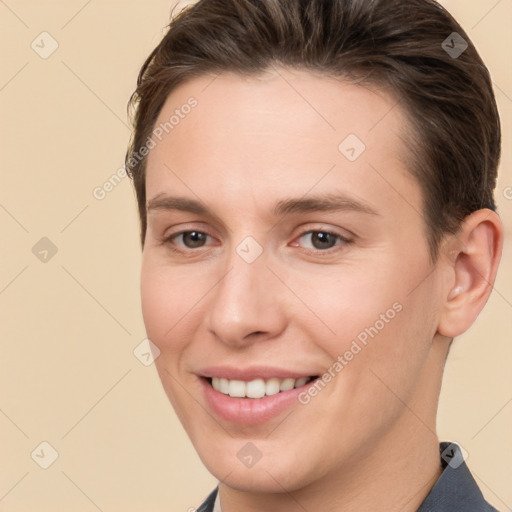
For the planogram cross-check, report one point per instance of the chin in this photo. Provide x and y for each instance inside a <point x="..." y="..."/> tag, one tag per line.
<point x="260" y="480"/>
<point x="272" y="476"/>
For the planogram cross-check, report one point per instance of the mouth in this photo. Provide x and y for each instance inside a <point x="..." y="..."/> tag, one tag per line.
<point x="252" y="395"/>
<point x="256" y="388"/>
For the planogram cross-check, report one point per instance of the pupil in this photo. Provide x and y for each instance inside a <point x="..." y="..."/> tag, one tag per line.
<point x="194" y="239"/>
<point x="323" y="240"/>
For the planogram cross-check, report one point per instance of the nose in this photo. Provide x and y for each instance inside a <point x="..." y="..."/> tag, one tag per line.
<point x="248" y="303"/>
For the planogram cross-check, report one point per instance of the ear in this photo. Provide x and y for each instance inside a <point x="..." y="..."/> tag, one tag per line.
<point x="471" y="262"/>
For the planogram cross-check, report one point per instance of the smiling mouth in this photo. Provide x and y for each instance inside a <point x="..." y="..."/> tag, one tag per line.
<point x="257" y="388"/>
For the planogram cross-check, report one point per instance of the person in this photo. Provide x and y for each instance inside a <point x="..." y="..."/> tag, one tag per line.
<point x="315" y="187"/>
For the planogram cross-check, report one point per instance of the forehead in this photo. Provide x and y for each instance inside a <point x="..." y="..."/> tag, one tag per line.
<point x="284" y="129"/>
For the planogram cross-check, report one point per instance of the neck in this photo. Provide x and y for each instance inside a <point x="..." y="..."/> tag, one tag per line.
<point x="395" y="476"/>
<point x="396" y="473"/>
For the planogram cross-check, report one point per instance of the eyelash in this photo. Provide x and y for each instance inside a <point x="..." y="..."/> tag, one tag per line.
<point x="340" y="241"/>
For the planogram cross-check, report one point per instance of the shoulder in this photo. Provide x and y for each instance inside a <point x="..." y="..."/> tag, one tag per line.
<point x="456" y="489"/>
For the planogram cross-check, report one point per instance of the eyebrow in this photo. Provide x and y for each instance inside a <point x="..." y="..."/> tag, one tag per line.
<point x="163" y="202"/>
<point x="325" y="203"/>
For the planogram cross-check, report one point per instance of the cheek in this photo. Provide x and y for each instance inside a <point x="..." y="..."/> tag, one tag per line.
<point x="173" y="304"/>
<point x="155" y="301"/>
<point x="372" y="318"/>
<point x="168" y="312"/>
<point x="164" y="302"/>
<point x="348" y="301"/>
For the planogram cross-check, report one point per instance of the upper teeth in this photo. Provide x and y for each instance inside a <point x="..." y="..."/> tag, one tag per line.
<point x="257" y="388"/>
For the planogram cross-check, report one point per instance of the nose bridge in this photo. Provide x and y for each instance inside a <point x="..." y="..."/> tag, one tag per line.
<point x="245" y="300"/>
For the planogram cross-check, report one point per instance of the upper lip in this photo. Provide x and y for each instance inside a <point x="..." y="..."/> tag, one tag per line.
<point x="252" y="373"/>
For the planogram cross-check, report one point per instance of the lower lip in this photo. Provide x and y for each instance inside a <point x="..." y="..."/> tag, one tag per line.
<point x="250" y="411"/>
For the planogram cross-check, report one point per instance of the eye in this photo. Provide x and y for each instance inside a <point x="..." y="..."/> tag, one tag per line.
<point x="190" y="239"/>
<point x="321" y="240"/>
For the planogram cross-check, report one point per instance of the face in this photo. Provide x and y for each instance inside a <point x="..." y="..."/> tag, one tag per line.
<point x="286" y="277"/>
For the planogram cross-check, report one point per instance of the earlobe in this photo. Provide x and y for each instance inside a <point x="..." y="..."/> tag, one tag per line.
<point x="475" y="255"/>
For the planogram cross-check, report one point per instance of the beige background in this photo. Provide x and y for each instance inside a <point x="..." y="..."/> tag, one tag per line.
<point x="70" y="325"/>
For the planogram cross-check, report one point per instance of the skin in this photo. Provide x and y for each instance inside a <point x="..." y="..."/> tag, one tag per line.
<point x="248" y="144"/>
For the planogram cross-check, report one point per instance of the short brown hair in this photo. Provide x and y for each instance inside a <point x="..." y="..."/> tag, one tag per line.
<point x="400" y="45"/>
